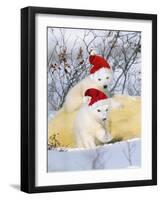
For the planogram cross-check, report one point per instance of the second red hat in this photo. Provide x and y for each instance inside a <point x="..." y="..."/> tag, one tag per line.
<point x="96" y="95"/>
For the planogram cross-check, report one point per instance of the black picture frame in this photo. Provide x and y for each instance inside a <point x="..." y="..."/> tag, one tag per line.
<point x="28" y="98"/>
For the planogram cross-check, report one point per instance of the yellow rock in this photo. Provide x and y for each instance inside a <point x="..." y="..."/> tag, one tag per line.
<point x="124" y="123"/>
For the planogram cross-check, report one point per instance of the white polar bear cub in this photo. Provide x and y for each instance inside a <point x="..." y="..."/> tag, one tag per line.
<point x="99" y="78"/>
<point x="90" y="121"/>
<point x="89" y="125"/>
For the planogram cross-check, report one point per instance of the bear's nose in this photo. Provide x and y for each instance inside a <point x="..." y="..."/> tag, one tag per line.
<point x="104" y="119"/>
<point x="105" y="86"/>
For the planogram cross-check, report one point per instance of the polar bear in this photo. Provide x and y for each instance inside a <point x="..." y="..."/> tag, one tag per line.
<point x="123" y="123"/>
<point x="93" y="128"/>
<point x="99" y="78"/>
<point x="93" y="116"/>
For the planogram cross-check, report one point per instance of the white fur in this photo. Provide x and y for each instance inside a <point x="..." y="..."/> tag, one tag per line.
<point x="98" y="80"/>
<point x="89" y="125"/>
<point x="92" y="52"/>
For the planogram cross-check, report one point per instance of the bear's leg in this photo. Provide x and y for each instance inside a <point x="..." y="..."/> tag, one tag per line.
<point x="88" y="140"/>
<point x="89" y="143"/>
<point x="102" y="136"/>
<point x="114" y="104"/>
<point x="79" y="141"/>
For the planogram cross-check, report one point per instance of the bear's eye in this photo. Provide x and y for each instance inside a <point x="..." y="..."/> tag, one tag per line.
<point x="98" y="110"/>
<point x="107" y="77"/>
<point x="99" y="79"/>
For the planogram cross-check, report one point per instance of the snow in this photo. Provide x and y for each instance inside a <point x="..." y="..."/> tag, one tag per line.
<point x="125" y="154"/>
<point x="51" y="114"/>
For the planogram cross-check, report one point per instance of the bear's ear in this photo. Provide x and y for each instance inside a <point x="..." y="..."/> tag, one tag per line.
<point x="92" y="52"/>
<point x="86" y="100"/>
<point x="91" y="76"/>
<point x="113" y="104"/>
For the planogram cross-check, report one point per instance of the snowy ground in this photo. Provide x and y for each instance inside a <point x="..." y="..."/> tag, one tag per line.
<point x="125" y="154"/>
<point x="51" y="114"/>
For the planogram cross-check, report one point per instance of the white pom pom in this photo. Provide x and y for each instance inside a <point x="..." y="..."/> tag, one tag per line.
<point x="86" y="99"/>
<point x="92" y="52"/>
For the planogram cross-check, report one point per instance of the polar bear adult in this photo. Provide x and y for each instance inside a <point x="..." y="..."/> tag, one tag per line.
<point x="123" y="122"/>
<point x="99" y="78"/>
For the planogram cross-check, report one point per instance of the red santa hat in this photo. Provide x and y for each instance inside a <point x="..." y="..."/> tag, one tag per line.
<point x="98" y="62"/>
<point x="97" y="97"/>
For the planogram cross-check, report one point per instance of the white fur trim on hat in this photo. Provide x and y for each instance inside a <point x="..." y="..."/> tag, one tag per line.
<point x="100" y="103"/>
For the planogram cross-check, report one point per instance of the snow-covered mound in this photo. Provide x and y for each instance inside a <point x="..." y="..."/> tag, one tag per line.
<point x="125" y="154"/>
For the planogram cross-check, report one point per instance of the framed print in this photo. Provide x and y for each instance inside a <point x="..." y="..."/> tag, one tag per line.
<point x="88" y="99"/>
